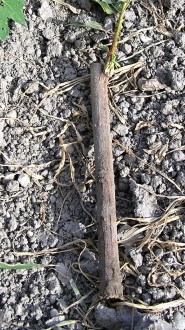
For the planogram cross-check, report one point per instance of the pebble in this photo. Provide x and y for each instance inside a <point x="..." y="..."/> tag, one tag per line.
<point x="30" y="233"/>
<point x="12" y="224"/>
<point x="167" y="3"/>
<point x="2" y="122"/>
<point x="127" y="48"/>
<point x="54" y="48"/>
<point x="53" y="312"/>
<point x="45" y="11"/>
<point x="1" y="54"/>
<point x="145" y="203"/>
<point x="49" y="32"/>
<point x="13" y="115"/>
<point x="55" y="320"/>
<point x="108" y="23"/>
<point x="59" y="60"/>
<point x="177" y="79"/>
<point x="179" y="156"/>
<point x="124" y="172"/>
<point x="85" y="4"/>
<point x="30" y="25"/>
<point x="32" y="88"/>
<point x="2" y="141"/>
<point x="54" y="286"/>
<point x="121" y="129"/>
<point x="8" y="176"/>
<point x="179" y="320"/>
<point x="180" y="39"/>
<point x="24" y="180"/>
<point x="136" y="257"/>
<point x="12" y="186"/>
<point x="145" y="39"/>
<point x="130" y="15"/>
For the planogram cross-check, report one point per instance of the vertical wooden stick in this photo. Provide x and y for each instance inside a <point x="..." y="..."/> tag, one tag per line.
<point x="109" y="269"/>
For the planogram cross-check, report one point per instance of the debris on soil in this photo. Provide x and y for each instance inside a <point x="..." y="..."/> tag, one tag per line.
<point x="47" y="179"/>
<point x="127" y="318"/>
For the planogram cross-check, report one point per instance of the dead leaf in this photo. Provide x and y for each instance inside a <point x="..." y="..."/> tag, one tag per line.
<point x="153" y="148"/>
<point x="70" y="7"/>
<point x="161" y="153"/>
<point x="143" y="124"/>
<point x="171" y="124"/>
<point x="150" y="85"/>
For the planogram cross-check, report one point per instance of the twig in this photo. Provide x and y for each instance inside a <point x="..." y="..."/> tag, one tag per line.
<point x="109" y="269"/>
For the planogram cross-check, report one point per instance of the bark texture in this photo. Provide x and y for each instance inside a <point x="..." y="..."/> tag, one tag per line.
<point x="109" y="269"/>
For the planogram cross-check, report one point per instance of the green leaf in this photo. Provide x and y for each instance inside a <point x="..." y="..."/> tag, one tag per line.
<point x="105" y="6"/>
<point x="111" y="6"/>
<point x="62" y="324"/>
<point x="103" y="48"/>
<point x="3" y="265"/>
<point x="90" y="24"/>
<point x="10" y="9"/>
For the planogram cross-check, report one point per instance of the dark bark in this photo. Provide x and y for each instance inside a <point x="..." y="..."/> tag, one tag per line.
<point x="109" y="269"/>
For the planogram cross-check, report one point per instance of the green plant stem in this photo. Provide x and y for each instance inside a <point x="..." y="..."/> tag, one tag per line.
<point x="111" y="58"/>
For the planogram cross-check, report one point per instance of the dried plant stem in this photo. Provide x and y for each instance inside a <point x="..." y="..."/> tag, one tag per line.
<point x="109" y="269"/>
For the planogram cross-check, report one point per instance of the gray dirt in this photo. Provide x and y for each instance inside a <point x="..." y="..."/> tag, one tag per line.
<point x="40" y="210"/>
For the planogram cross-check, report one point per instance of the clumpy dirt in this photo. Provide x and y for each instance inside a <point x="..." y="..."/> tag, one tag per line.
<point x="48" y="203"/>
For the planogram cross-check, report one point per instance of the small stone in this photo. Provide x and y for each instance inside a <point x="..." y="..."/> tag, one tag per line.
<point x="49" y="32"/>
<point x="146" y="297"/>
<point x="178" y="321"/>
<point x="12" y="115"/>
<point x="2" y="122"/>
<point x="1" y="54"/>
<point x="136" y="257"/>
<point x="85" y="4"/>
<point x="124" y="172"/>
<point x="32" y="88"/>
<point x="2" y="141"/>
<point x="93" y="57"/>
<point x="8" y="176"/>
<point x="54" y="48"/>
<point x="30" y="25"/>
<point x="180" y="39"/>
<point x="145" y="39"/>
<point x="12" y="224"/>
<point x="54" y="286"/>
<point x="167" y="108"/>
<point x="45" y="11"/>
<point x="48" y="187"/>
<point x="61" y="303"/>
<point x="177" y="79"/>
<point x="167" y="3"/>
<point x="108" y="23"/>
<point x="145" y="202"/>
<point x="163" y="279"/>
<point x="12" y="186"/>
<point x="53" y="312"/>
<point x="127" y="48"/>
<point x="38" y="313"/>
<point x="79" y="43"/>
<point x="24" y="180"/>
<point x="55" y="320"/>
<point x="29" y="233"/>
<point x="130" y="15"/>
<point x="179" y="156"/>
<point x="121" y="129"/>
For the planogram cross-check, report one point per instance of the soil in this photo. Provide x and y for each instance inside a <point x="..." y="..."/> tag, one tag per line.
<point x="48" y="201"/>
